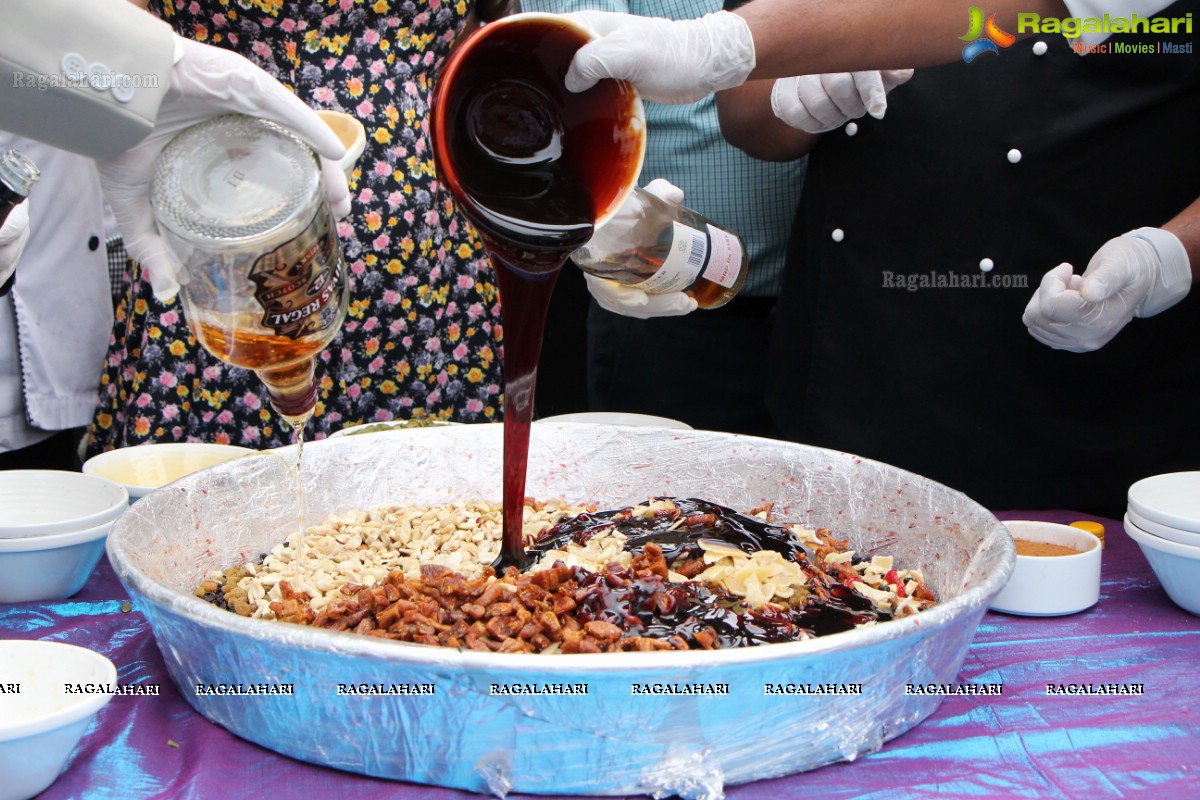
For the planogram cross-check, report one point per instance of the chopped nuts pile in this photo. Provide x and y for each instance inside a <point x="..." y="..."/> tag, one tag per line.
<point x="364" y="547"/>
<point x="422" y="574"/>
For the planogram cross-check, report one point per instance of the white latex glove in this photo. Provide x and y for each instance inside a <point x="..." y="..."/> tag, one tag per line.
<point x="669" y="61"/>
<point x="207" y="81"/>
<point x="631" y="302"/>
<point x="820" y="103"/>
<point x="14" y="234"/>
<point x="1138" y="274"/>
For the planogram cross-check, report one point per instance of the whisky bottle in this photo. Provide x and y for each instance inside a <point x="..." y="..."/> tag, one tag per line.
<point x="264" y="283"/>
<point x="659" y="247"/>
<point x="18" y="174"/>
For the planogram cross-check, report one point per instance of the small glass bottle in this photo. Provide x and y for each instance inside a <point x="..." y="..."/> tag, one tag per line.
<point x="18" y="174"/>
<point x="264" y="283"/>
<point x="661" y="247"/>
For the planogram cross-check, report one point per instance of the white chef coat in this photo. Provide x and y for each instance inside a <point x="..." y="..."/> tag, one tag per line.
<point x="56" y="323"/>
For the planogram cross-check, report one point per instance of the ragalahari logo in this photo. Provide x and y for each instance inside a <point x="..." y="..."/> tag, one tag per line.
<point x="994" y="37"/>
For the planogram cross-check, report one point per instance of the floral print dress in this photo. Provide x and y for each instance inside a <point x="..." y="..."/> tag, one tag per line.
<point x="422" y="335"/>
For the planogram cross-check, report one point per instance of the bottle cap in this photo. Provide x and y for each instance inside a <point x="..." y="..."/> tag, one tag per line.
<point x="1094" y="528"/>
<point x="299" y="405"/>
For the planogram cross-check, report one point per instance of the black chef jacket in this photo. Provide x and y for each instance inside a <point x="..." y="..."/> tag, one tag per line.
<point x="946" y="381"/>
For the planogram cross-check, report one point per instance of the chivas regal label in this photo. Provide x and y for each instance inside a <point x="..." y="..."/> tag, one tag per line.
<point x="296" y="281"/>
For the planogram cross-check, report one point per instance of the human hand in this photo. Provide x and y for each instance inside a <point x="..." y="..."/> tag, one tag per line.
<point x="820" y="103"/>
<point x="628" y="300"/>
<point x="207" y="81"/>
<point x="1139" y="274"/>
<point x="669" y="61"/>
<point x="14" y="234"/>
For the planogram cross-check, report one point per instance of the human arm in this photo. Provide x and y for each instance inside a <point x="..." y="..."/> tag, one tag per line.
<point x="59" y="60"/>
<point x="174" y="82"/>
<point x="681" y="61"/>
<point x="780" y="120"/>
<point x="812" y="36"/>
<point x="748" y="123"/>
<point x="1186" y="227"/>
<point x="1138" y="274"/>
<point x="630" y="301"/>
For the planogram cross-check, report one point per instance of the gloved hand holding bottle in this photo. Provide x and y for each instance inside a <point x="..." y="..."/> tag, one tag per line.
<point x="657" y="258"/>
<point x="1139" y="274"/>
<point x="206" y="81"/>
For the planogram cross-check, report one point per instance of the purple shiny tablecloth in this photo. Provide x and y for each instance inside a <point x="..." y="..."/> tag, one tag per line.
<point x="1024" y="743"/>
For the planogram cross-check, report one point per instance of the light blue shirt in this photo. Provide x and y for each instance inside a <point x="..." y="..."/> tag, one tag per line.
<point x="756" y="199"/>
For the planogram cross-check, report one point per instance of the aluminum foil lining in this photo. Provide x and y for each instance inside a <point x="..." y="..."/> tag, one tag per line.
<point x="609" y="740"/>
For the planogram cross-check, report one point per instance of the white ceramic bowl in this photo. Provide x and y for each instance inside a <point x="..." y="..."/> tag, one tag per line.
<point x="37" y="502"/>
<point x="50" y="567"/>
<point x="1176" y="565"/>
<point x="40" y="725"/>
<point x="619" y="418"/>
<point x="1172" y="499"/>
<point x="1049" y="586"/>
<point x="1164" y="531"/>
<point x="146" y="467"/>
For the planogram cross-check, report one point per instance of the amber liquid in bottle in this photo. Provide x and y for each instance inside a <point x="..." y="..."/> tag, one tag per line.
<point x="241" y="204"/>
<point x="285" y="365"/>
<point x="533" y="167"/>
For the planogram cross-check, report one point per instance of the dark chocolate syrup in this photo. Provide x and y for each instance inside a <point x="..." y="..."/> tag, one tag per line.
<point x="652" y="607"/>
<point x="679" y="539"/>
<point x="533" y="167"/>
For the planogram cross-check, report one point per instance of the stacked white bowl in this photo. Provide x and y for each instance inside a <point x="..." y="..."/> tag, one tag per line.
<point x="53" y="525"/>
<point x="1163" y="517"/>
<point x="60" y="688"/>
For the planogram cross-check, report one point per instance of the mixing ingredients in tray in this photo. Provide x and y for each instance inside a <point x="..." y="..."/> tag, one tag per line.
<point x="667" y="574"/>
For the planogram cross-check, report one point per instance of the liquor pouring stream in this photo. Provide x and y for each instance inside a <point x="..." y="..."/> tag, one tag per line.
<point x="264" y="283"/>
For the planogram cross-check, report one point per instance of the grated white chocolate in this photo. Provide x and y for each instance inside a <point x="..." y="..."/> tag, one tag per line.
<point x="607" y="547"/>
<point x="762" y="577"/>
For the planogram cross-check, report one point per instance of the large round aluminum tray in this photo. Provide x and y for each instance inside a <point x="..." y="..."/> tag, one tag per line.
<point x="607" y="741"/>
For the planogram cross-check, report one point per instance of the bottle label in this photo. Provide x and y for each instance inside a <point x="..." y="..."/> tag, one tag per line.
<point x="296" y="281"/>
<point x="725" y="259"/>
<point x="689" y="254"/>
